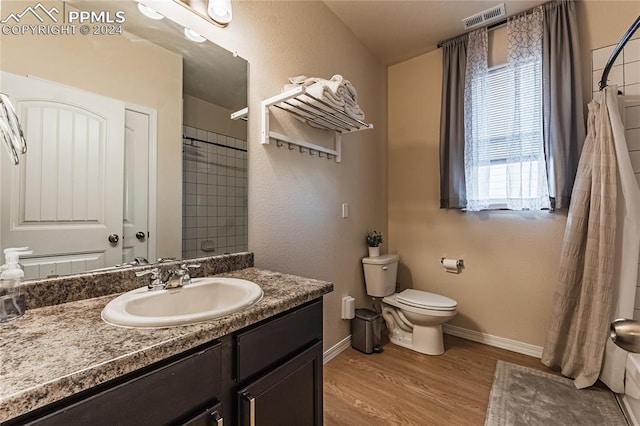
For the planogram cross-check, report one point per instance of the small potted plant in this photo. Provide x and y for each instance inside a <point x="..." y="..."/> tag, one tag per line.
<point x="374" y="239"/>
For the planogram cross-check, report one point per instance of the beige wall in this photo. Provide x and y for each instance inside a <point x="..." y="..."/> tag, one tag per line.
<point x="294" y="199"/>
<point x="212" y="118"/>
<point x="510" y="258"/>
<point x="124" y="69"/>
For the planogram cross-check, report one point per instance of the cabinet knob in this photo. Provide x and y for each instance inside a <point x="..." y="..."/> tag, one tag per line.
<point x="140" y="235"/>
<point x="113" y="238"/>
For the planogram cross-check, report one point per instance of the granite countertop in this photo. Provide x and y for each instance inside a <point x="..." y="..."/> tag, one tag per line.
<point x="55" y="351"/>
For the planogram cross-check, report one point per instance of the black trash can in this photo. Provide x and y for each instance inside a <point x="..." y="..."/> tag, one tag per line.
<point x="366" y="329"/>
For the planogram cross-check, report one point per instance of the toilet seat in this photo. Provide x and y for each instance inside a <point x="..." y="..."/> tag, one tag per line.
<point x="426" y="300"/>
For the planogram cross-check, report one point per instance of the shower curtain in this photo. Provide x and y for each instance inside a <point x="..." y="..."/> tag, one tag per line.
<point x="627" y="245"/>
<point x="599" y="251"/>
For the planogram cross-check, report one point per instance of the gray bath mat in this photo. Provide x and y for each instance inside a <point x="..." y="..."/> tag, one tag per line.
<point x="524" y="396"/>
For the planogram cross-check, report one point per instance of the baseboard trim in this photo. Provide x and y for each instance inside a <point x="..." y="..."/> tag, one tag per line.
<point x="498" y="342"/>
<point x="336" y="349"/>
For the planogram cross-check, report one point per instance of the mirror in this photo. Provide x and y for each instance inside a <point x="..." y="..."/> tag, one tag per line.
<point x="131" y="149"/>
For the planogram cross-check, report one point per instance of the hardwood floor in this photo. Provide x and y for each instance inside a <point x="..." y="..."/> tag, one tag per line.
<point x="403" y="387"/>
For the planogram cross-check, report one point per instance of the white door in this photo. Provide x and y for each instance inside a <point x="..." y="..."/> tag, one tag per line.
<point x="136" y="186"/>
<point x="64" y="200"/>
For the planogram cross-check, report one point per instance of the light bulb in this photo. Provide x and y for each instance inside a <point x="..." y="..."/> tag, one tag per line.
<point x="193" y="36"/>
<point x="149" y="13"/>
<point x="220" y="11"/>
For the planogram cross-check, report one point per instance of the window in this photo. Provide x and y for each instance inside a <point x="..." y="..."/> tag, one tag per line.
<point x="493" y="150"/>
<point x="513" y="165"/>
<point x="504" y="156"/>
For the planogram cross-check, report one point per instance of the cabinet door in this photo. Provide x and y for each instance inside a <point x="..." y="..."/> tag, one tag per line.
<point x="289" y="395"/>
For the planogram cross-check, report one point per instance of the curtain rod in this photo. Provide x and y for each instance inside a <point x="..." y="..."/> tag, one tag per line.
<point x="614" y="55"/>
<point x="490" y="27"/>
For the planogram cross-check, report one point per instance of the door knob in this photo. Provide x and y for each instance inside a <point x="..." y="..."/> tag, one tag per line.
<point x="114" y="238"/>
<point x="140" y="235"/>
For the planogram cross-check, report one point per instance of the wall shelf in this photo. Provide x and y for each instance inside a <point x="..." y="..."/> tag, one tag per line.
<point x="316" y="113"/>
<point x="241" y="114"/>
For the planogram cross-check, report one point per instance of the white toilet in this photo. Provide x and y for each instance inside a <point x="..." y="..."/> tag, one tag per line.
<point x="414" y="317"/>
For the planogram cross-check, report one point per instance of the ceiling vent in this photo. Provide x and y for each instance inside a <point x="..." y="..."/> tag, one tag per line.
<point x="485" y="17"/>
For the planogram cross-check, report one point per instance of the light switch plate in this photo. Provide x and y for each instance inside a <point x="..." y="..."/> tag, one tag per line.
<point x="345" y="210"/>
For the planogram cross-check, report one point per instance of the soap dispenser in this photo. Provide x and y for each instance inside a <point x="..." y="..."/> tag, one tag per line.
<point x="11" y="250"/>
<point x="12" y="302"/>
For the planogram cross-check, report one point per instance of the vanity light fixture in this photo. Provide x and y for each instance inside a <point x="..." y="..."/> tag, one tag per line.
<point x="193" y="36"/>
<point x="149" y="13"/>
<point x="220" y="11"/>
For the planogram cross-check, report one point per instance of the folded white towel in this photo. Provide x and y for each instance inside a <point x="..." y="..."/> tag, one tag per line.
<point x="353" y="110"/>
<point x="337" y="85"/>
<point x="337" y="92"/>
<point x="319" y="91"/>
<point x="298" y="79"/>
<point x="342" y="88"/>
<point x="352" y="90"/>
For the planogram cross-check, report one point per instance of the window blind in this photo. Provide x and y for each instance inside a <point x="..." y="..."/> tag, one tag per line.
<point x="514" y="133"/>
<point x="502" y="105"/>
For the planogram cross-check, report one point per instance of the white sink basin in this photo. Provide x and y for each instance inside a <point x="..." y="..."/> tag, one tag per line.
<point x="203" y="299"/>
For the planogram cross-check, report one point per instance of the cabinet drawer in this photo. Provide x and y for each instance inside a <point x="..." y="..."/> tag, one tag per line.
<point x="268" y="343"/>
<point x="187" y="384"/>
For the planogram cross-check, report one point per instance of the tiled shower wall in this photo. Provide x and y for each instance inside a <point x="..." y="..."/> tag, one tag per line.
<point x="626" y="74"/>
<point x="625" y="71"/>
<point x="214" y="194"/>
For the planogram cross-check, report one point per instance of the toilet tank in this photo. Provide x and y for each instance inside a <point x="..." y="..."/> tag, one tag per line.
<point x="380" y="274"/>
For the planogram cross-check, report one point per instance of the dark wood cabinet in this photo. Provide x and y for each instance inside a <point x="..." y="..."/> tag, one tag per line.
<point x="161" y="395"/>
<point x="276" y="363"/>
<point x="289" y="395"/>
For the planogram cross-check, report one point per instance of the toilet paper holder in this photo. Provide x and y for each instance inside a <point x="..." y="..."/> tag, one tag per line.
<point x="453" y="266"/>
<point x="459" y="262"/>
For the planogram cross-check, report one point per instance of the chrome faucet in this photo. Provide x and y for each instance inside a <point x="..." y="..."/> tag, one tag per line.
<point x="186" y="277"/>
<point x="155" y="279"/>
<point x="175" y="278"/>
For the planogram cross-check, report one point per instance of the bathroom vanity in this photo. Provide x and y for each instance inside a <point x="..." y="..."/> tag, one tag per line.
<point x="246" y="368"/>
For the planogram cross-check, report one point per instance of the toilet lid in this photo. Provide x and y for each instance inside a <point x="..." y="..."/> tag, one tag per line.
<point x="422" y="299"/>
